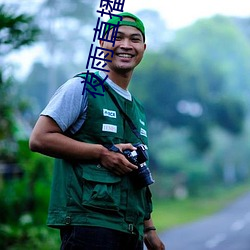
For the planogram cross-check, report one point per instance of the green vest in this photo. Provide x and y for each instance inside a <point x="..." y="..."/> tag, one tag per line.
<point x="88" y="194"/>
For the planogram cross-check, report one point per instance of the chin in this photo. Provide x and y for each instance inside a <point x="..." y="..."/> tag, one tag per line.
<point x="126" y="66"/>
<point x="124" y="69"/>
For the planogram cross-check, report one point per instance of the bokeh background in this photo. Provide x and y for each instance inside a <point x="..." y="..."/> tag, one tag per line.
<point x="194" y="82"/>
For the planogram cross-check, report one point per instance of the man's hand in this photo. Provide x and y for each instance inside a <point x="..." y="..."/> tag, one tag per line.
<point x="116" y="162"/>
<point x="152" y="241"/>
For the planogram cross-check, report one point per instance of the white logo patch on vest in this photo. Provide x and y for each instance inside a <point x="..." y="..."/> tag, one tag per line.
<point x="143" y="132"/>
<point x="109" y="128"/>
<point x="109" y="113"/>
<point x="142" y="122"/>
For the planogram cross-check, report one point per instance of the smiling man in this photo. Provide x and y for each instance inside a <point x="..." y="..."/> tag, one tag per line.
<point x="128" y="49"/>
<point x="96" y="201"/>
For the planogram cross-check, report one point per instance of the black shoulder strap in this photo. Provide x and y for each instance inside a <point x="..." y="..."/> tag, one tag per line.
<point x="126" y="117"/>
<point x="82" y="74"/>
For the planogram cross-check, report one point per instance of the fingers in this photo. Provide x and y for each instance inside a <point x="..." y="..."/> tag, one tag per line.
<point x="117" y="163"/>
<point x="153" y="242"/>
<point x="120" y="165"/>
<point x="124" y="146"/>
<point x="120" y="170"/>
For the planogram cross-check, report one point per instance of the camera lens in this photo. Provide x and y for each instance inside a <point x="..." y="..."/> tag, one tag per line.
<point x="144" y="176"/>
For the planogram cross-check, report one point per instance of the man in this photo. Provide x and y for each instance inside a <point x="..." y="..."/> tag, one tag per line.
<point x="95" y="202"/>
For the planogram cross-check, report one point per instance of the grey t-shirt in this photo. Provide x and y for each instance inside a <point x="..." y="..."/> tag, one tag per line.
<point x="68" y="106"/>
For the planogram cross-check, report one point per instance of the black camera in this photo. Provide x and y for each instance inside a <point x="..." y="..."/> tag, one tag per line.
<point x="142" y="176"/>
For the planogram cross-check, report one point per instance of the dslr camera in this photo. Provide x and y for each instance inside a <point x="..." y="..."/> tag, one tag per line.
<point x="142" y="176"/>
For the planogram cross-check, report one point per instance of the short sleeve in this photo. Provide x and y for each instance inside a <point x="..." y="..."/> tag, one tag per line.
<point x="68" y="105"/>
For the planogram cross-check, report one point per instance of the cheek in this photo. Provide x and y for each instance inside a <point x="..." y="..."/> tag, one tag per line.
<point x="141" y="53"/>
<point x="106" y="45"/>
<point x="109" y="51"/>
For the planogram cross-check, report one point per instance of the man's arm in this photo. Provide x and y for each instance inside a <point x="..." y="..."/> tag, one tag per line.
<point x="47" y="138"/>
<point x="151" y="239"/>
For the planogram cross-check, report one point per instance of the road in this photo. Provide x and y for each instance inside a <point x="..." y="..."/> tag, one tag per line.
<point x="227" y="230"/>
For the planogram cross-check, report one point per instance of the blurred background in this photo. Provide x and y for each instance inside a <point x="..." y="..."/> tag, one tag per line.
<point x="194" y="82"/>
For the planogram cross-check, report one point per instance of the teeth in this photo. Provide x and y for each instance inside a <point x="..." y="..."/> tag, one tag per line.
<point x="125" y="55"/>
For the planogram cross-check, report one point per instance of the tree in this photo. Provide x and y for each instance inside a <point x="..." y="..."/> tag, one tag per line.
<point x="16" y="31"/>
<point x="185" y="85"/>
<point x="66" y="35"/>
<point x="157" y="34"/>
<point x="220" y="50"/>
<point x="196" y="94"/>
<point x="67" y="31"/>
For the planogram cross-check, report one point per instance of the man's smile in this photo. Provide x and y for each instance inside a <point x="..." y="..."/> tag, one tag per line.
<point x="124" y="55"/>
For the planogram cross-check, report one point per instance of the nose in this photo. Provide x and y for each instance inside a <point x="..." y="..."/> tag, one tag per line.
<point x="126" y="44"/>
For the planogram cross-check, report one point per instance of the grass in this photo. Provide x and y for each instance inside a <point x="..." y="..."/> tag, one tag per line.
<point x="170" y="213"/>
<point x="167" y="214"/>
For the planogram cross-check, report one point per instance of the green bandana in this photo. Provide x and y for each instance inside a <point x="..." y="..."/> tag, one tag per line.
<point x="137" y="23"/>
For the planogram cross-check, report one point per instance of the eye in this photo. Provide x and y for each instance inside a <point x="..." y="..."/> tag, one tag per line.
<point x="118" y="38"/>
<point x="136" y="39"/>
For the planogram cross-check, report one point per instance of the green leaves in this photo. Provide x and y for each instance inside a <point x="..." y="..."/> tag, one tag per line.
<point x="199" y="81"/>
<point x="230" y="114"/>
<point x="15" y="30"/>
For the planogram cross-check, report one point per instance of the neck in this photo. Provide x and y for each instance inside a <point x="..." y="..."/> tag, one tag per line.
<point x="122" y="79"/>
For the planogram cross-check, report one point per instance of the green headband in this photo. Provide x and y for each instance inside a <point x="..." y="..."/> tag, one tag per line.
<point x="137" y="23"/>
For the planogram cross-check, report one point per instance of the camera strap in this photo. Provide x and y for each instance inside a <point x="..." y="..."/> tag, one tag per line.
<point x="125" y="116"/>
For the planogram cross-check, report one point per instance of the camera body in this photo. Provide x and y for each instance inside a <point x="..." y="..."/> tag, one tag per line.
<point x="142" y="177"/>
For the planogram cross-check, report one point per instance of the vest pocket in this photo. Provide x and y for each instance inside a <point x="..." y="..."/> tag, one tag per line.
<point x="101" y="188"/>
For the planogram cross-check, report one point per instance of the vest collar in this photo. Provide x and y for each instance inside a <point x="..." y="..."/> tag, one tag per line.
<point x="124" y="93"/>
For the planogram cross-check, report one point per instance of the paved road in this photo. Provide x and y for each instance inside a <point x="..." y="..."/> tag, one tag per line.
<point x="226" y="230"/>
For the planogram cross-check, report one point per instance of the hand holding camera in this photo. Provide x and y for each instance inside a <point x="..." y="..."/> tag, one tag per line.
<point x="142" y="176"/>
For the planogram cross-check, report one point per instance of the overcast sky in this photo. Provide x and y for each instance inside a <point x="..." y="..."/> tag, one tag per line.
<point x="180" y="13"/>
<point x="177" y="13"/>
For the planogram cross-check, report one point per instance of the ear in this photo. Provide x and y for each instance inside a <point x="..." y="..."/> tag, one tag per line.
<point x="101" y="43"/>
<point x="145" y="46"/>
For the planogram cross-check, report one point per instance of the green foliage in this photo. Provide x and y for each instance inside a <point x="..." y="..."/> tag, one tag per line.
<point x="8" y="106"/>
<point x="36" y="81"/>
<point x="65" y="43"/>
<point x="11" y="108"/>
<point x="196" y="81"/>
<point x="199" y="179"/>
<point x="80" y="9"/>
<point x="15" y="30"/>
<point x="29" y="193"/>
<point x="220" y="51"/>
<point x="199" y="135"/>
<point x="24" y="203"/>
<point x="62" y="43"/>
<point x="24" y="235"/>
<point x="195" y="93"/>
<point x="243" y="24"/>
<point x="230" y="114"/>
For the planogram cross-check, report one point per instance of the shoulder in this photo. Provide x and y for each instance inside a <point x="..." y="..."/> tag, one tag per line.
<point x="72" y="88"/>
<point x="73" y="83"/>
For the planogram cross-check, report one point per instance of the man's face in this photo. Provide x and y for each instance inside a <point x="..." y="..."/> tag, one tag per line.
<point x="128" y="49"/>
